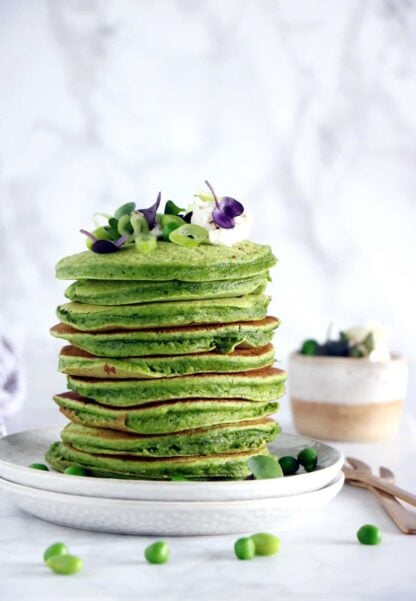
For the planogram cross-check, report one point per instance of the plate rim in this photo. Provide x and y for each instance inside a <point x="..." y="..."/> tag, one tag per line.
<point x="336" y="483"/>
<point x="136" y="483"/>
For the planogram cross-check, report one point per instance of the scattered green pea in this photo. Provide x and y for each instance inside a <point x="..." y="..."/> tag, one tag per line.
<point x="310" y="467"/>
<point x="158" y="552"/>
<point x="309" y="347"/>
<point x="308" y="457"/>
<point x="265" y="543"/>
<point x="39" y="466"/>
<point x="55" y="549"/>
<point x="244" y="548"/>
<point x="75" y="470"/>
<point x="369" y="535"/>
<point x="289" y="465"/>
<point x="65" y="564"/>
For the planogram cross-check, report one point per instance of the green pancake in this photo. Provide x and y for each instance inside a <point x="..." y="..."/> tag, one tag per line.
<point x="119" y="292"/>
<point x="152" y="315"/>
<point x="162" y="418"/>
<point x="227" y="438"/>
<point x="76" y="362"/>
<point x="171" y="341"/>
<point x="219" y="467"/>
<point x="170" y="262"/>
<point x="258" y="385"/>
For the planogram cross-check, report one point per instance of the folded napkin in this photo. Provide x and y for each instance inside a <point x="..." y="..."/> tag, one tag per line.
<point x="11" y="380"/>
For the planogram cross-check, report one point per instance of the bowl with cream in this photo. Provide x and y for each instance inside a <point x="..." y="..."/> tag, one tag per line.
<point x="349" y="389"/>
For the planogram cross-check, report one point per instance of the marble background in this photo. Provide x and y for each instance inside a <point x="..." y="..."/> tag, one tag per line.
<point x="303" y="110"/>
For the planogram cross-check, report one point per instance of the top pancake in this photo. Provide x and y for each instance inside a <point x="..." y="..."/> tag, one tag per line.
<point x="170" y="262"/>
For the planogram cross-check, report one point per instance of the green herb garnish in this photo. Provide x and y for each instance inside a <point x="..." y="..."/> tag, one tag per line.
<point x="264" y="467"/>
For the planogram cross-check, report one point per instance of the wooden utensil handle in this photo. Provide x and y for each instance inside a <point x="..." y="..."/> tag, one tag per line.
<point x="403" y="519"/>
<point x="391" y="489"/>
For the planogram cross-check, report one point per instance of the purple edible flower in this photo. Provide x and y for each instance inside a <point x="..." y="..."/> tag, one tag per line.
<point x="225" y="210"/>
<point x="150" y="213"/>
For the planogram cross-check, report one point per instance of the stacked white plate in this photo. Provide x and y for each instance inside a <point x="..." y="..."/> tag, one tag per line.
<point x="166" y="508"/>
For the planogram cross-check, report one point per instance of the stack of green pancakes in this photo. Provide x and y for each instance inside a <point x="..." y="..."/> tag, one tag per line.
<point x="169" y="362"/>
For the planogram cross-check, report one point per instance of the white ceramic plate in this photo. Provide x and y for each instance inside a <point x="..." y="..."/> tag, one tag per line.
<point x="19" y="450"/>
<point x="164" y="518"/>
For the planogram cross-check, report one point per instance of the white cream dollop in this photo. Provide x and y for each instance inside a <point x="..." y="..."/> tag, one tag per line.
<point x="202" y="215"/>
<point x="357" y="334"/>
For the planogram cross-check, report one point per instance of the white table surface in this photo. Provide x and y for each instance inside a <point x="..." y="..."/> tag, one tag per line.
<point x="318" y="560"/>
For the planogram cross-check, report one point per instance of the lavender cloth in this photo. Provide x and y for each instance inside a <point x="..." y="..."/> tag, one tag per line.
<point x="11" y="381"/>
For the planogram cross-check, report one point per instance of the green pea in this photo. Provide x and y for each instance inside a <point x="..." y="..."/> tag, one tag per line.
<point x="55" y="549"/>
<point x="308" y="457"/>
<point x="157" y="552"/>
<point x="309" y="347"/>
<point x="265" y="543"/>
<point x="369" y="535"/>
<point x="310" y="467"/>
<point x="75" y="470"/>
<point x="244" y="548"/>
<point x="39" y="466"/>
<point x="65" y="564"/>
<point x="289" y="465"/>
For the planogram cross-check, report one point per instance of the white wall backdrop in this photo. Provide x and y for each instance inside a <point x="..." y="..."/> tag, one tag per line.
<point x="302" y="110"/>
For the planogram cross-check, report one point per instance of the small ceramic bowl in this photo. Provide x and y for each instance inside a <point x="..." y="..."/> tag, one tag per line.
<point x="343" y="398"/>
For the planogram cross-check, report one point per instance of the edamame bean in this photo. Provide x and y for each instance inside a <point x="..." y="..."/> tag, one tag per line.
<point x="244" y="548"/>
<point x="157" y="552"/>
<point x="55" y="549"/>
<point x="65" y="564"/>
<point x="289" y="465"/>
<point x="265" y="543"/>
<point x="369" y="535"/>
<point x="75" y="470"/>
<point x="39" y="466"/>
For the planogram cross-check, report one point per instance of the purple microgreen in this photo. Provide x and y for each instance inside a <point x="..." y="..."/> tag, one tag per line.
<point x="222" y="219"/>
<point x="150" y="213"/>
<point x="89" y="235"/>
<point x="187" y="218"/>
<point x="213" y="193"/>
<point x="225" y="210"/>
<point x="104" y="247"/>
<point x="231" y="207"/>
<point x="120" y="241"/>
